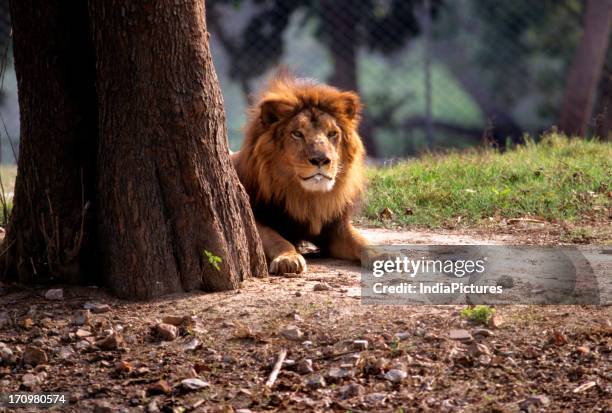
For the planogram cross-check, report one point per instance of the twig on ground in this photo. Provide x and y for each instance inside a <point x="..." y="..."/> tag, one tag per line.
<point x="276" y="369"/>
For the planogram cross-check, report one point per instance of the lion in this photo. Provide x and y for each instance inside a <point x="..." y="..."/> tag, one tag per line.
<point x="302" y="165"/>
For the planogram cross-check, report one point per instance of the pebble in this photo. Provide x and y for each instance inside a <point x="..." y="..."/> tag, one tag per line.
<point x="315" y="382"/>
<point x="159" y="387"/>
<point x="30" y="380"/>
<point x="6" y="354"/>
<point x="194" y="384"/>
<point x="304" y="366"/>
<point x="336" y="373"/>
<point x="110" y="342"/>
<point x="82" y="333"/>
<point x="396" y="375"/>
<point x="97" y="308"/>
<point x="376" y="397"/>
<point x="65" y="352"/>
<point x="401" y="336"/>
<point x="55" y="294"/>
<point x="81" y="317"/>
<point x="478" y="349"/>
<point x="103" y="407"/>
<point x="482" y="332"/>
<point x="323" y="286"/>
<point x="34" y="356"/>
<point x="292" y="332"/>
<point x="532" y="402"/>
<point x="350" y="390"/>
<point x="166" y="332"/>
<point x="461" y="335"/>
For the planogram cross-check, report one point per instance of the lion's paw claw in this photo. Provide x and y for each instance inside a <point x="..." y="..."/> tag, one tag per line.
<point x="288" y="263"/>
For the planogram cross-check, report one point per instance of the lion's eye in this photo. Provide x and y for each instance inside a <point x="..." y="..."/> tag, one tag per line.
<point x="297" y="134"/>
<point x="332" y="134"/>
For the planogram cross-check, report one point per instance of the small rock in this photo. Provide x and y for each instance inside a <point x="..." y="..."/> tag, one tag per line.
<point x="337" y="373"/>
<point x="304" y="366"/>
<point x="29" y="380"/>
<point x="103" y="407"/>
<point x="478" y="349"/>
<point x="65" y="353"/>
<point x="153" y="407"/>
<point x="82" y="333"/>
<point x="460" y="335"/>
<point x="34" y="356"/>
<point x="307" y="343"/>
<point x="176" y="320"/>
<point x="166" y="332"/>
<point x="6" y="354"/>
<point x="315" y="382"/>
<point x="26" y="323"/>
<point x="159" y="387"/>
<point x="360" y="344"/>
<point x="194" y="384"/>
<point x="402" y="336"/>
<point x="532" y="402"/>
<point x="322" y="286"/>
<point x="243" y="411"/>
<point x="396" y="375"/>
<point x="496" y="321"/>
<point x="55" y="294"/>
<point x="123" y="367"/>
<point x="97" y="308"/>
<point x="298" y="294"/>
<point x="110" y="342"/>
<point x="350" y="390"/>
<point x="505" y="281"/>
<point x="482" y="332"/>
<point x="375" y="398"/>
<point x="81" y="317"/>
<point x="292" y="332"/>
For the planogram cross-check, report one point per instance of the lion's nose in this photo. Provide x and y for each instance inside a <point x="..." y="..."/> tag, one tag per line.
<point x="319" y="160"/>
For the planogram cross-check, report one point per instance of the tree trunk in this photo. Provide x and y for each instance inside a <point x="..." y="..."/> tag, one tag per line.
<point x="340" y="22"/>
<point x="168" y="192"/>
<point x="51" y="232"/>
<point x="586" y="68"/>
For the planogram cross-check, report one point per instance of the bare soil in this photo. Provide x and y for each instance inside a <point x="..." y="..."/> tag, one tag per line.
<point x="535" y="358"/>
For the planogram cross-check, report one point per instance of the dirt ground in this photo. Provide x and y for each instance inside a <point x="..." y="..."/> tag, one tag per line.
<point x="341" y="355"/>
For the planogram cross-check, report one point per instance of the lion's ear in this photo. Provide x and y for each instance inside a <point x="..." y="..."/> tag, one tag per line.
<point x="351" y="105"/>
<point x="274" y="110"/>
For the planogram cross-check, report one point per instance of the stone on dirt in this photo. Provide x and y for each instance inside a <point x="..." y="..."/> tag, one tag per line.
<point x="532" y="403"/>
<point x="81" y="317"/>
<point x="55" y="294"/>
<point x="460" y="335"/>
<point x="159" y="387"/>
<point x="194" y="384"/>
<point x="322" y="286"/>
<point x="350" y="390"/>
<point x="292" y="332"/>
<point x="110" y="342"/>
<point x="97" y="308"/>
<point x="166" y="332"/>
<point x="396" y="375"/>
<point x="315" y="382"/>
<point x="34" y="356"/>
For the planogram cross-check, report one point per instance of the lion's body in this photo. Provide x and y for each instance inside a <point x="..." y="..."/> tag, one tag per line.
<point x="288" y="207"/>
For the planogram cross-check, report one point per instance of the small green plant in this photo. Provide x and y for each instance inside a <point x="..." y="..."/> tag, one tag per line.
<point x="478" y="314"/>
<point x="213" y="260"/>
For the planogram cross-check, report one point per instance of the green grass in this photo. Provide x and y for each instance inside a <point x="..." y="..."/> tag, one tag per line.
<point x="480" y="314"/>
<point x="557" y="179"/>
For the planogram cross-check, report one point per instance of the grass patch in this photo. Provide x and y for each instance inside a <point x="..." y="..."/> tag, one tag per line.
<point x="557" y="179"/>
<point x="480" y="314"/>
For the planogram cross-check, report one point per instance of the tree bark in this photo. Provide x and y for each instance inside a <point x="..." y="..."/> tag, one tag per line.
<point x="168" y="191"/>
<point x="51" y="233"/>
<point x="586" y="68"/>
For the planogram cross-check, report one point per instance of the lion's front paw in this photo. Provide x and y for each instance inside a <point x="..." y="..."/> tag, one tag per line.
<point x="288" y="263"/>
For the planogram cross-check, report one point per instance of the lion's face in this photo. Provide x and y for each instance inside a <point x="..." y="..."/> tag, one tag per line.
<point x="310" y="147"/>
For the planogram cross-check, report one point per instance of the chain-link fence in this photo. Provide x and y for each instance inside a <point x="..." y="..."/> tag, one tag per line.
<point x="432" y="73"/>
